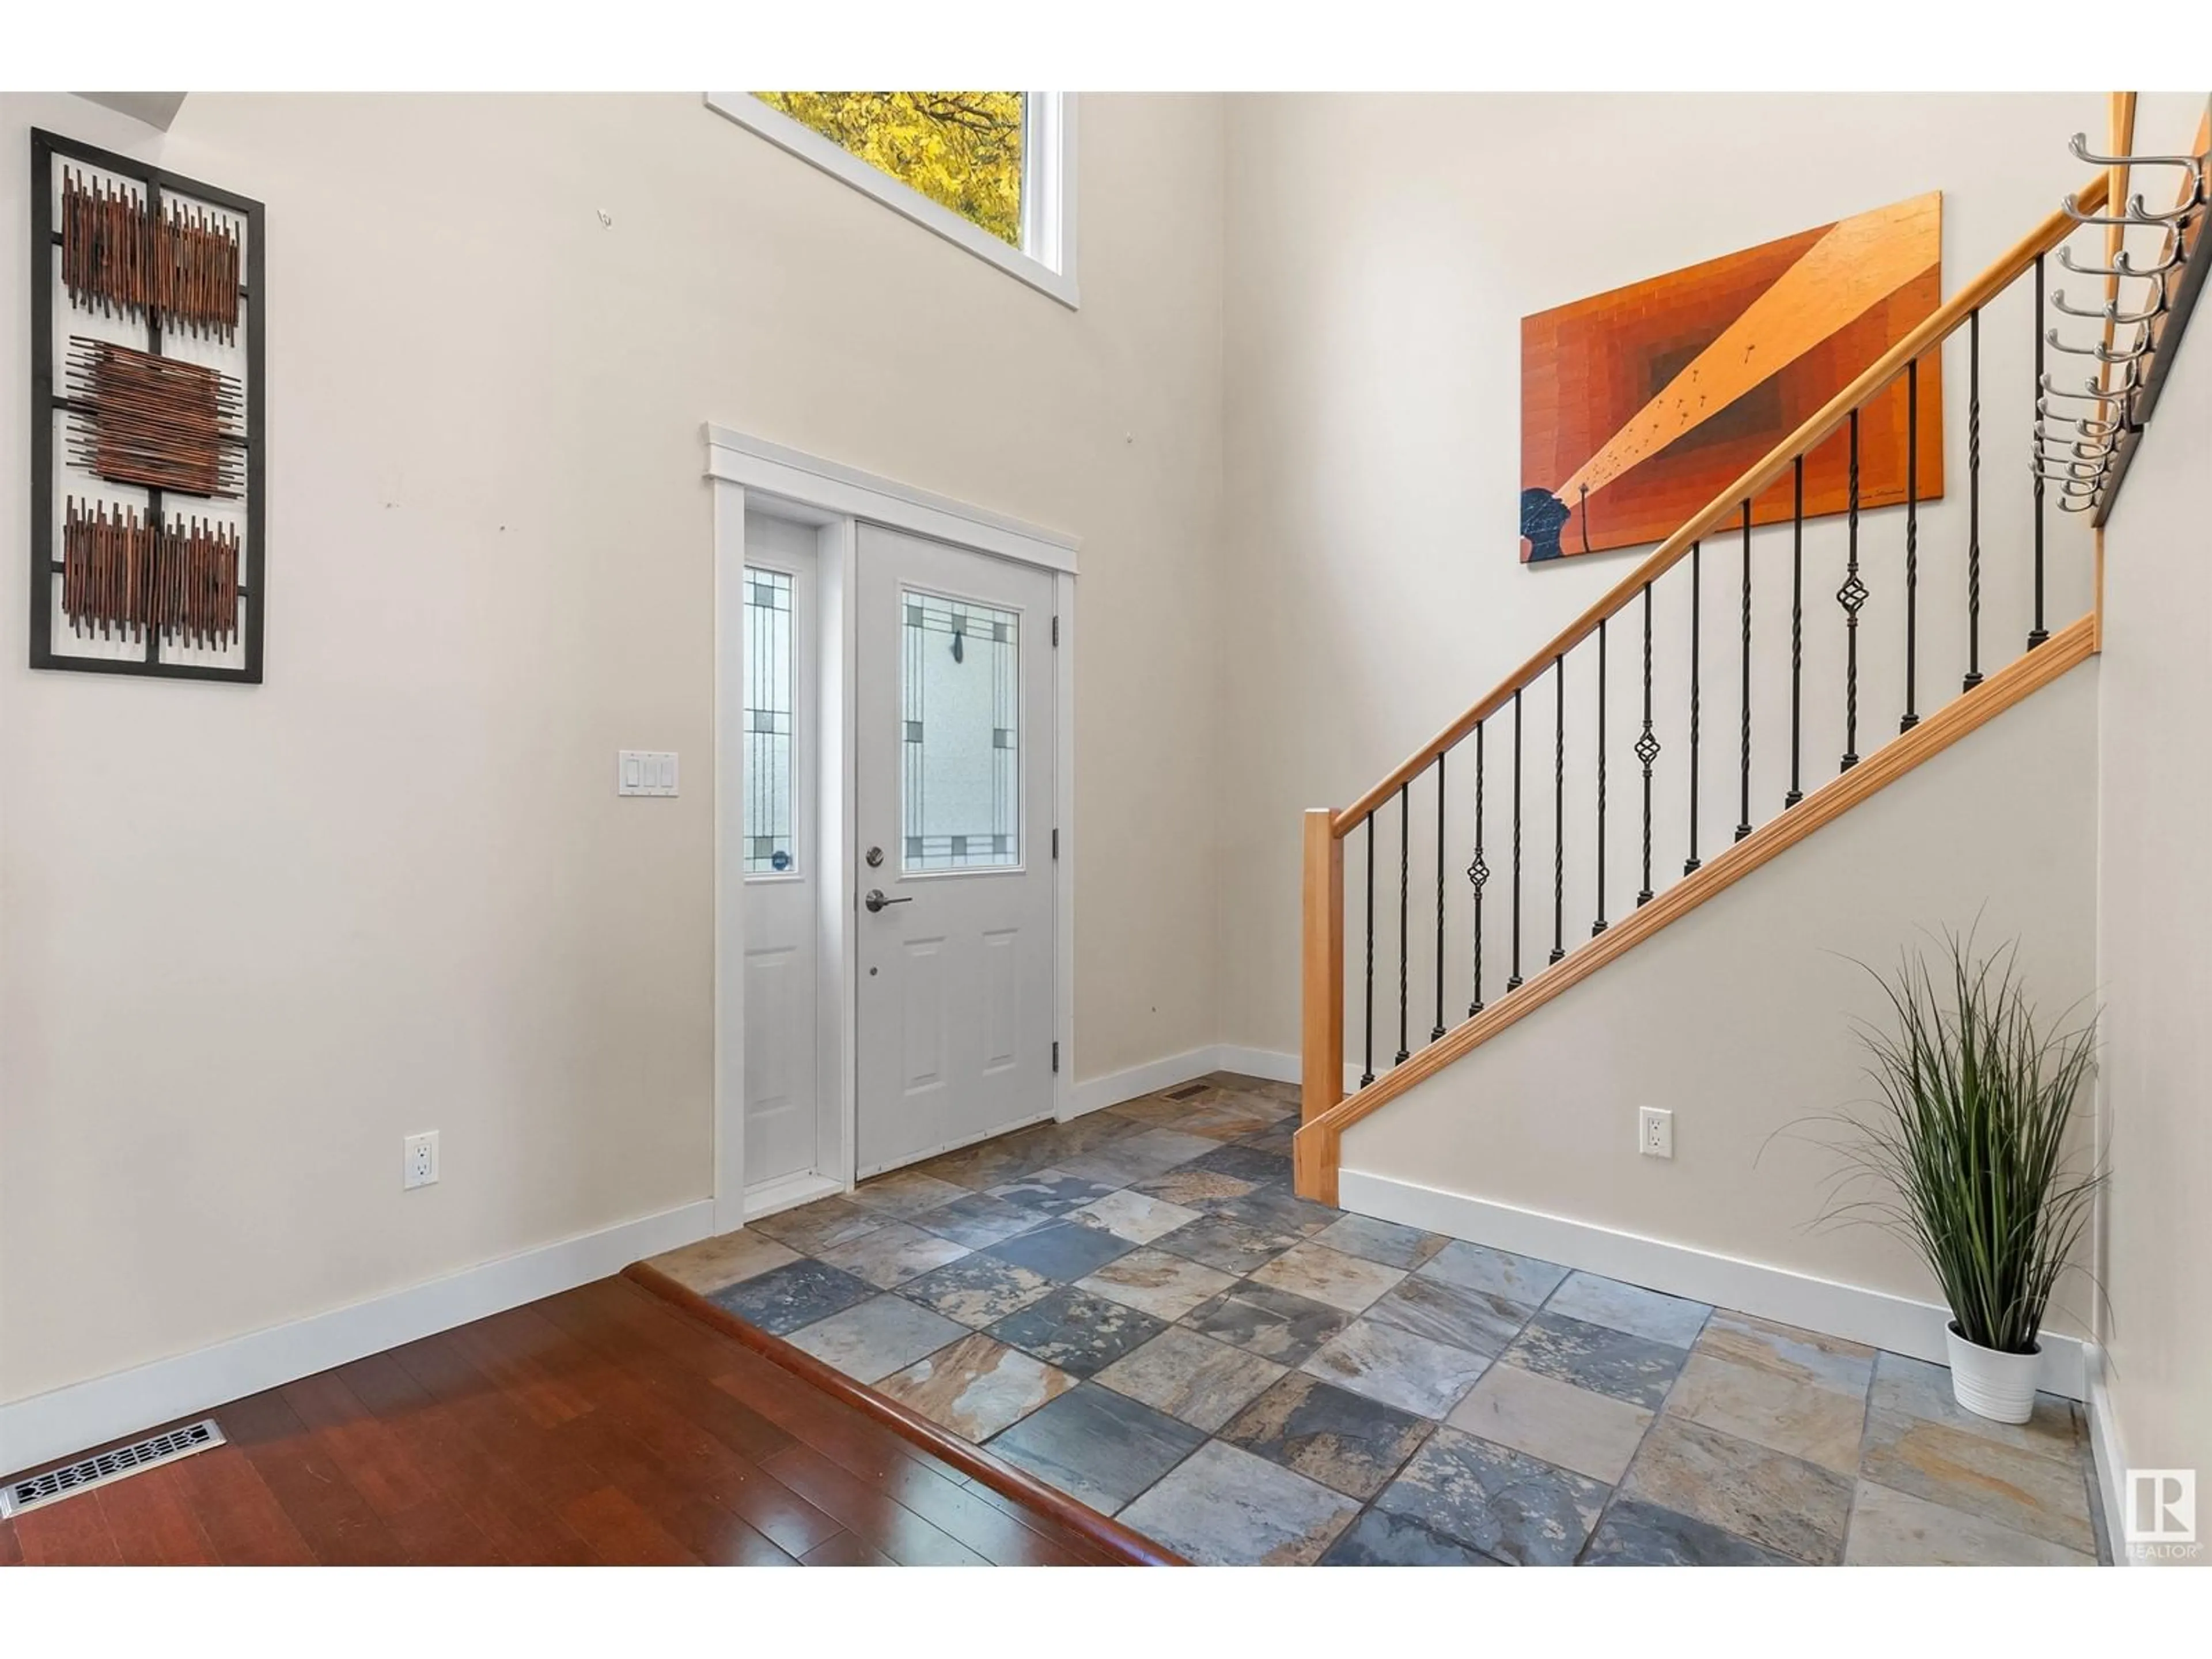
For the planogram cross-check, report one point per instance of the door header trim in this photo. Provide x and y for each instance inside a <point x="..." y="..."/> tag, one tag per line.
<point x="821" y="488"/>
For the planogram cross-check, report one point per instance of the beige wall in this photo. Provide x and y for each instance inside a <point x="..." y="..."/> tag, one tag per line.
<point x="251" y="937"/>
<point x="2155" y="963"/>
<point x="1382" y="251"/>
<point x="1738" y="1017"/>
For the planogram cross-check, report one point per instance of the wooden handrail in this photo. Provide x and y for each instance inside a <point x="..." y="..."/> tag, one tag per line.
<point x="1316" y="1148"/>
<point x="1932" y="332"/>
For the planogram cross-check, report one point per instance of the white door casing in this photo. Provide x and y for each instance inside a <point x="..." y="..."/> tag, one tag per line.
<point x="953" y="820"/>
<point x="834" y="501"/>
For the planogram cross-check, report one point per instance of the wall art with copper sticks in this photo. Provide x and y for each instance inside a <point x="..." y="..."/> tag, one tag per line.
<point x="148" y="462"/>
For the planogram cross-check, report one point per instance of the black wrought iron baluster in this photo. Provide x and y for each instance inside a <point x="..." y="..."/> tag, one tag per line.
<point x="2036" y="635"/>
<point x="1911" y="547"/>
<point x="1697" y="579"/>
<point x="1743" y="806"/>
<point x="1478" y="876"/>
<point x="1404" y="889"/>
<point x="1796" y="632"/>
<point x="1439" y="1030"/>
<point x="1367" y="1058"/>
<point x="1598" y="926"/>
<point x="1974" y="499"/>
<point x="1560" y="808"/>
<point x="1851" y="595"/>
<point x="1647" y="751"/>
<point x="1515" y="982"/>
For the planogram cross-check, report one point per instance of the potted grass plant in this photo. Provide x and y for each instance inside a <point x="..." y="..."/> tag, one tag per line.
<point x="1973" y="1134"/>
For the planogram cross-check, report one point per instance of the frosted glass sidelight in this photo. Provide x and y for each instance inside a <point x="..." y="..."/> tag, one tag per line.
<point x="770" y="686"/>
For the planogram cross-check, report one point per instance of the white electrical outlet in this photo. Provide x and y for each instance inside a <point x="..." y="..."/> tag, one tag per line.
<point x="419" y="1164"/>
<point x="1654" y="1132"/>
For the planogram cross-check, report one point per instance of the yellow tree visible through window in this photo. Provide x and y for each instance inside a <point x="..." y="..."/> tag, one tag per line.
<point x="961" y="149"/>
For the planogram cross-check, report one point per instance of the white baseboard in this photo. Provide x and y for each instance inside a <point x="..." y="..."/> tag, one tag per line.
<point x="49" y="1426"/>
<point x="1858" y="1315"/>
<point x="1095" y="1094"/>
<point x="2109" y="1454"/>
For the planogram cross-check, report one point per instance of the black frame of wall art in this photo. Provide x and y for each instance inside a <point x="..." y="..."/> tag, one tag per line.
<point x="46" y="398"/>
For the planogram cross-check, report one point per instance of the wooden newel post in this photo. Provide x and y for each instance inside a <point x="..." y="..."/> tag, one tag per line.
<point x="1321" y="1046"/>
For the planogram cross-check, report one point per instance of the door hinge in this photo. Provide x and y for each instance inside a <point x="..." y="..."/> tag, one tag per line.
<point x="1056" y="841"/>
<point x="1056" y="632"/>
<point x="1055" y="1056"/>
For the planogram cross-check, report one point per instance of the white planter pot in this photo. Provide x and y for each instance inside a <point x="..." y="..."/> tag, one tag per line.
<point x="1998" y="1386"/>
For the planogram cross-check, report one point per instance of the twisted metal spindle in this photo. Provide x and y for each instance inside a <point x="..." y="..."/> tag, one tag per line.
<point x="2037" y="635"/>
<point x="1515" y="982"/>
<point x="1796" y="632"/>
<point x="1598" y="926"/>
<point x="1439" y="1030"/>
<point x="1911" y="547"/>
<point x="1405" y="868"/>
<point x="1367" y="1054"/>
<point x="1973" y="499"/>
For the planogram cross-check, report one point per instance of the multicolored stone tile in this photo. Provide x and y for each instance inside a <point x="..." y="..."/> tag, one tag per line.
<point x="1920" y="1390"/>
<point x="1077" y="1331"/>
<point x="1778" y="1502"/>
<point x="990" y="1162"/>
<point x="1051" y="1191"/>
<point x="1193" y="1189"/>
<point x="797" y="1293"/>
<point x="1597" y="1356"/>
<point x="1139" y="1156"/>
<point x="1100" y="1448"/>
<point x="1233" y="1247"/>
<point x="1166" y="1286"/>
<point x="1477" y="1268"/>
<point x="1223" y="1506"/>
<point x="1246" y="1163"/>
<point x="1639" y="1534"/>
<point x="1064" y="1251"/>
<point x="976" y="1386"/>
<point x="978" y="1220"/>
<point x="817" y="1227"/>
<point x="1810" y="1420"/>
<point x="1591" y="1434"/>
<point x="1275" y="1324"/>
<point x="1131" y="1215"/>
<point x="1398" y="1368"/>
<point x="1599" y="1301"/>
<point x="1346" y="1442"/>
<point x="1193" y="1377"/>
<point x="977" y="1290"/>
<point x="1496" y="1500"/>
<point x="1272" y="1209"/>
<point x="712" y="1263"/>
<point x="1475" y="1320"/>
<point x="1892" y="1529"/>
<point x="905" y="1192"/>
<point x="1800" y="1356"/>
<point x="1321" y="1274"/>
<point x="1386" y="1242"/>
<point x="1378" y="1538"/>
<point x="1972" y="1473"/>
<point x="872" y="1338"/>
<point x="892" y="1254"/>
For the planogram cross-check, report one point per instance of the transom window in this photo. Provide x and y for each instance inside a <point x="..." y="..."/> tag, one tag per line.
<point x="991" y="170"/>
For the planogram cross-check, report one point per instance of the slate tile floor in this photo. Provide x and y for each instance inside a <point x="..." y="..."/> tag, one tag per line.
<point x="1137" y="1308"/>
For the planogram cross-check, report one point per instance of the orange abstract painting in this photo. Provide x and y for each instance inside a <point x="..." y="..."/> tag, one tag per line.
<point x="1640" y="405"/>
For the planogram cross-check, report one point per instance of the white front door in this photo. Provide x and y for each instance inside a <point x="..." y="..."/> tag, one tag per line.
<point x="954" y="786"/>
<point x="782" y="883"/>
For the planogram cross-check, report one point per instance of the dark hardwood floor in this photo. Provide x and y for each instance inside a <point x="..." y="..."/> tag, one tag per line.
<point x="597" y="1426"/>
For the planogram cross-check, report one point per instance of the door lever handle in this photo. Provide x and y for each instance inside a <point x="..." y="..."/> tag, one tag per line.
<point x="876" y="900"/>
